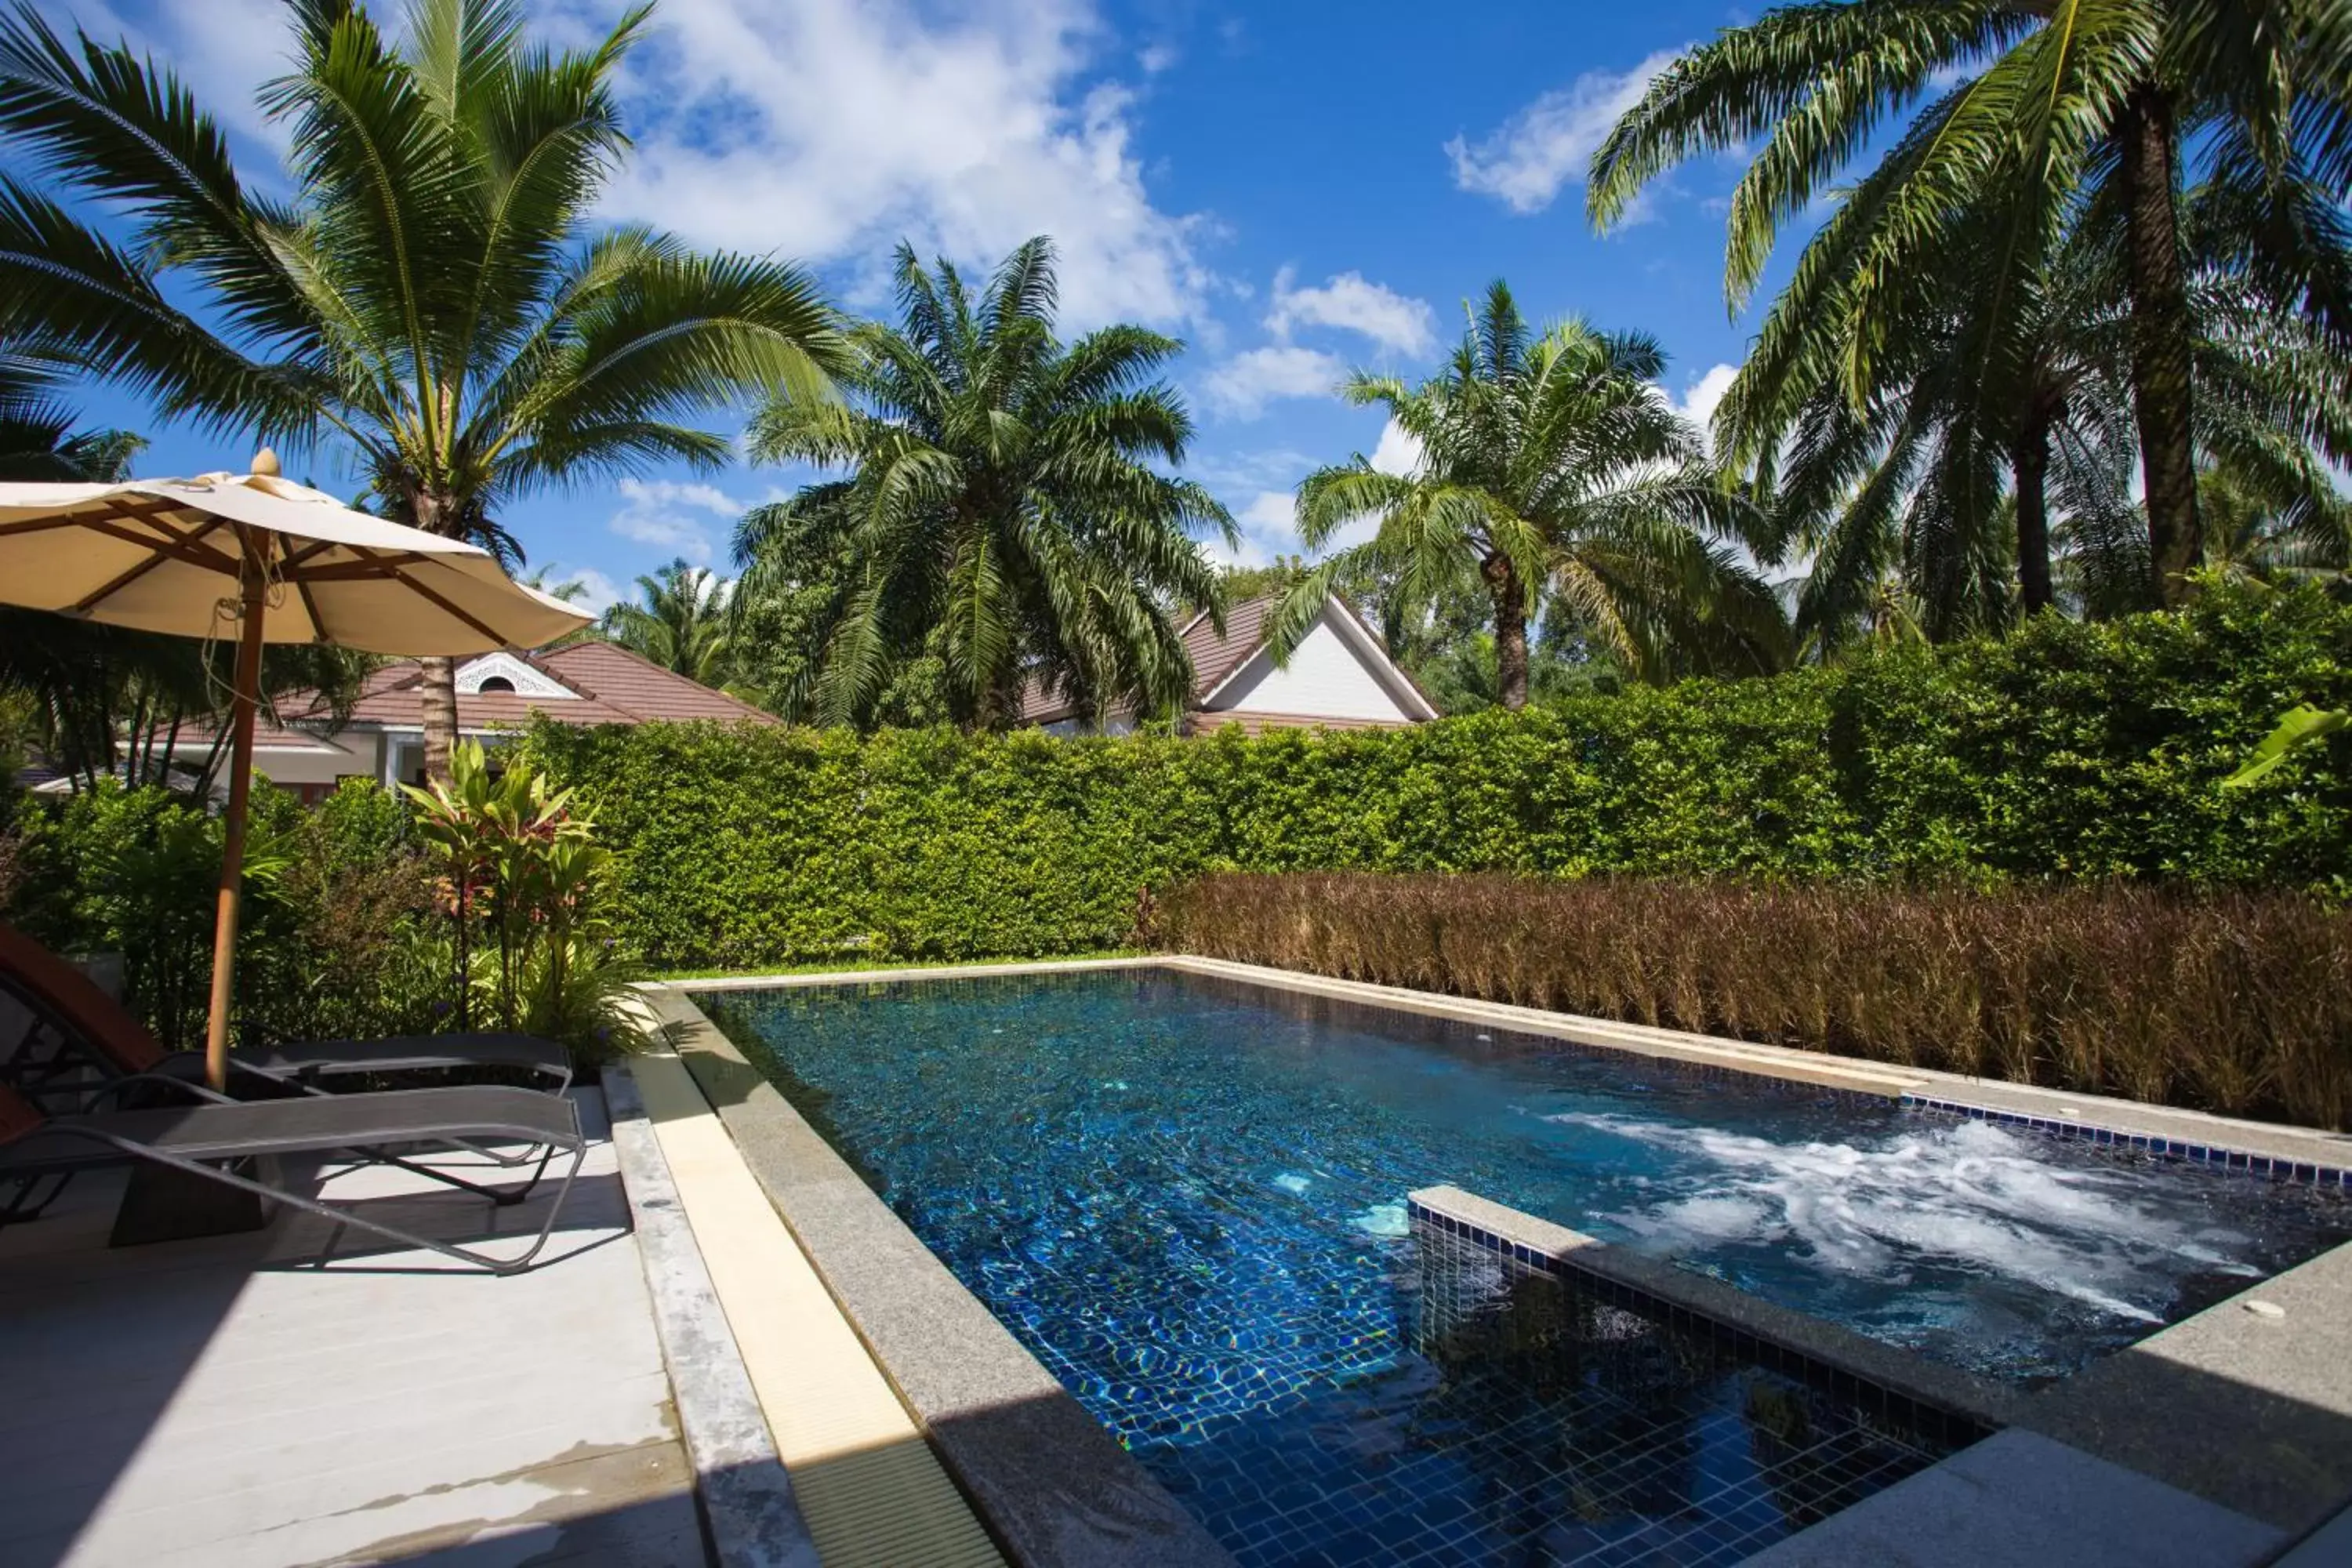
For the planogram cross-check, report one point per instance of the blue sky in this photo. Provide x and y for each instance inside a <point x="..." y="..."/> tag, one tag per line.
<point x="1294" y="189"/>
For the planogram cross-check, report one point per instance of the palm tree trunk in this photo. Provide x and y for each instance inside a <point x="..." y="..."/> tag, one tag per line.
<point x="1510" y="632"/>
<point x="2030" y="463"/>
<point x="438" y="692"/>
<point x="2160" y="327"/>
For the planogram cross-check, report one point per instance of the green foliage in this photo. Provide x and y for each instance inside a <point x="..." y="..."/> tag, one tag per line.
<point x="1552" y="473"/>
<point x="526" y="888"/>
<point x="434" y="289"/>
<point x="341" y="935"/>
<point x="681" y="624"/>
<point x="1008" y="511"/>
<point x="2068" y="750"/>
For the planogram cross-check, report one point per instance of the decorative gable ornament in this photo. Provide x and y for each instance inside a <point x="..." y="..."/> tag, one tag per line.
<point x="497" y="672"/>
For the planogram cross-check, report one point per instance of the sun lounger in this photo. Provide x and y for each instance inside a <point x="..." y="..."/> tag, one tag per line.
<point x="200" y="1136"/>
<point x="86" y="1025"/>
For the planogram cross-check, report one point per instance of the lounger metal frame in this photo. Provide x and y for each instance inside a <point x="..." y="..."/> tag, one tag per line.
<point x="19" y="1209"/>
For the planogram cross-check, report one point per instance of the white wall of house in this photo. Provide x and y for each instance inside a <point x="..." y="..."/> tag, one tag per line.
<point x="1328" y="678"/>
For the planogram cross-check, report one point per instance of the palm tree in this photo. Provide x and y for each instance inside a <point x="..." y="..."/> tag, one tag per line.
<point x="682" y="625"/>
<point x="2053" y="104"/>
<point x="1005" y="510"/>
<point x="1997" y="426"/>
<point x="433" y="295"/>
<point x="1552" y="468"/>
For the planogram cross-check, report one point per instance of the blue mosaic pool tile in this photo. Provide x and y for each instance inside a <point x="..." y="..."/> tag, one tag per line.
<point x="2284" y="1171"/>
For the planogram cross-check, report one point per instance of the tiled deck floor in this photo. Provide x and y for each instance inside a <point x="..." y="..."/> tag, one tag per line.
<point x="225" y="1401"/>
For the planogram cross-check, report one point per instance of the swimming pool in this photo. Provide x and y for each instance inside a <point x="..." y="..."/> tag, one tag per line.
<point x="1185" y="1195"/>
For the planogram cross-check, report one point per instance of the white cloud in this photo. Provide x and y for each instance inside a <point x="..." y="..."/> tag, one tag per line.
<point x="1700" y="399"/>
<point x="1153" y="58"/>
<point x="830" y="129"/>
<point x="1267" y="528"/>
<point x="1549" y="144"/>
<point x="1245" y="383"/>
<point x="598" y="592"/>
<point x="1257" y="470"/>
<point x="672" y="515"/>
<point x="1399" y="452"/>
<point x="1349" y="302"/>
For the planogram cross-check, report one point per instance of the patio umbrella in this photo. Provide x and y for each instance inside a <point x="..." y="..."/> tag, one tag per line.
<point x="265" y="560"/>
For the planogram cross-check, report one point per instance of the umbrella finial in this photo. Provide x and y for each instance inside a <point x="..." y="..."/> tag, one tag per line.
<point x="265" y="462"/>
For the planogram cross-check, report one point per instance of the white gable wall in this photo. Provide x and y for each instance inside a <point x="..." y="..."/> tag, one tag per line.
<point x="1326" y="678"/>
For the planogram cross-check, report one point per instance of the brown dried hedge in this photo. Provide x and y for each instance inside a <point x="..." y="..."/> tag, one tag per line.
<point x="2234" y="1002"/>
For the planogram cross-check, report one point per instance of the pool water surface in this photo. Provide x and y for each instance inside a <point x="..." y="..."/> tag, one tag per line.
<point x="1186" y="1196"/>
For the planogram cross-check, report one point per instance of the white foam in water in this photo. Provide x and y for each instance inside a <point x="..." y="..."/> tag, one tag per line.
<point x="1969" y="1195"/>
<point x="1383" y="1219"/>
<point x="1292" y="1184"/>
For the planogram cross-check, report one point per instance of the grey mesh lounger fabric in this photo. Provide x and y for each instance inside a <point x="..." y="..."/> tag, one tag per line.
<point x="196" y="1137"/>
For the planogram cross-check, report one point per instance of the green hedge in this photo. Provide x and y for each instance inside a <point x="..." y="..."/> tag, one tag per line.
<point x="2069" y="750"/>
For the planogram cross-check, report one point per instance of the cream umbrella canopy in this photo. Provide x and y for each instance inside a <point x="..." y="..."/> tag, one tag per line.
<point x="264" y="560"/>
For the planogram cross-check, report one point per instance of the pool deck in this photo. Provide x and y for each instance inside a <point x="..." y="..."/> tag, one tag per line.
<point x="226" y="1401"/>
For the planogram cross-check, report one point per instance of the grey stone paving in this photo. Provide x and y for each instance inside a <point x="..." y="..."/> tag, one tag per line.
<point x="227" y="1402"/>
<point x="2020" y="1501"/>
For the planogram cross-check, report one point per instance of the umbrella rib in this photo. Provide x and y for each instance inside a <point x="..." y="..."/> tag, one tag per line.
<point x="421" y="590"/>
<point x="181" y="547"/>
<point x="369" y="567"/>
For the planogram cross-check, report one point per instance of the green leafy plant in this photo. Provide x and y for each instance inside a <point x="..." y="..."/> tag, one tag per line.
<point x="2302" y="726"/>
<point x="1008" y="506"/>
<point x="1553" y="472"/>
<point x="433" y="288"/>
<point x="526" y="889"/>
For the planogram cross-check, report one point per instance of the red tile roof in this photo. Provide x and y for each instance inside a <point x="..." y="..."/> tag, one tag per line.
<point x="616" y="687"/>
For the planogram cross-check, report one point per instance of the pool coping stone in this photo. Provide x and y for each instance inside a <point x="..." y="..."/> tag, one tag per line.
<point x="2247" y="1403"/>
<point x="1818" y="1346"/>
<point x="748" y="1511"/>
<point x="1048" y="1480"/>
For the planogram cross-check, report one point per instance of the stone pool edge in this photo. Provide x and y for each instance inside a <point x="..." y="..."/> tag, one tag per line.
<point x="1048" y="1480"/>
<point x="1962" y="1406"/>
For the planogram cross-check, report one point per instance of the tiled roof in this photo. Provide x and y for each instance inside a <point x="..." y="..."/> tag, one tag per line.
<point x="1215" y="655"/>
<point x="616" y="687"/>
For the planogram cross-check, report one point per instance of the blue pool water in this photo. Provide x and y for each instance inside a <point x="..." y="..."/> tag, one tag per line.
<point x="1185" y="1196"/>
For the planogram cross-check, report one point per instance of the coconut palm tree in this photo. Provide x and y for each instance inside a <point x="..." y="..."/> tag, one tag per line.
<point x="2049" y="104"/>
<point x="1005" y="513"/>
<point x="433" y="295"/>
<point x="681" y="625"/>
<point x="1552" y="469"/>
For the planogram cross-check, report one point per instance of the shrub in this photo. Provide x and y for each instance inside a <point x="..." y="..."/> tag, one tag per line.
<point x="2070" y="750"/>
<point x="527" y="890"/>
<point x="2236" y="1002"/>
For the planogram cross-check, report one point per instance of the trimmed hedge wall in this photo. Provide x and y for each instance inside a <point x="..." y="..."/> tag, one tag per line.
<point x="2069" y="750"/>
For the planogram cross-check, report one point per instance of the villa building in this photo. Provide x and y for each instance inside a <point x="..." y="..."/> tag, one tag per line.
<point x="587" y="682"/>
<point x="1338" y="678"/>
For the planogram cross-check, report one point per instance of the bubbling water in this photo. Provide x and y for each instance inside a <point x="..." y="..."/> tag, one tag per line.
<point x="1967" y="1194"/>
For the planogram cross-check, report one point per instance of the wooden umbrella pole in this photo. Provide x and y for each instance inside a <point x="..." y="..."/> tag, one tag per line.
<point x="252" y="584"/>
